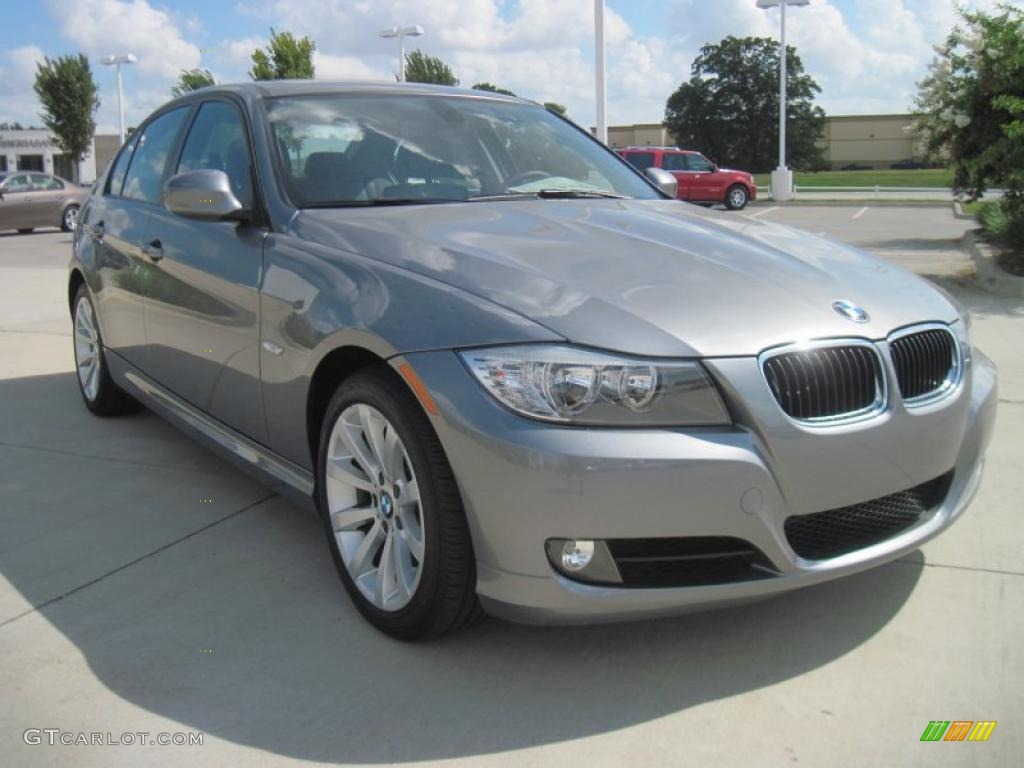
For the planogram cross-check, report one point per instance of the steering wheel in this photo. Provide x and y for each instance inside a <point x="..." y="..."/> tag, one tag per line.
<point x="526" y="177"/>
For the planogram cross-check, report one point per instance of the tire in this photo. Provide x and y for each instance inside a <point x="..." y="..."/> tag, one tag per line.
<point x="737" y="197"/>
<point x="406" y="585"/>
<point x="101" y="395"/>
<point x="69" y="218"/>
<point x="27" y="231"/>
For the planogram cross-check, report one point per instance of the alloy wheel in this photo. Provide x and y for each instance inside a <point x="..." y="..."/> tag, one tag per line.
<point x="738" y="198"/>
<point x="87" y="349"/>
<point x="70" y="217"/>
<point x="374" y="506"/>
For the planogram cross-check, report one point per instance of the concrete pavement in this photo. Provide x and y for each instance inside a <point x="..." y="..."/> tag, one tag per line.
<point x="129" y="603"/>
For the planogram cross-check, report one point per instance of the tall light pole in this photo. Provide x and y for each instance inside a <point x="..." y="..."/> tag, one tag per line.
<point x="117" y="60"/>
<point x="782" y="177"/>
<point x="401" y="33"/>
<point x="601" y="91"/>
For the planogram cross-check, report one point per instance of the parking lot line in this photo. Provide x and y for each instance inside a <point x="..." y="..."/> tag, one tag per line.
<point x="764" y="212"/>
<point x="859" y="213"/>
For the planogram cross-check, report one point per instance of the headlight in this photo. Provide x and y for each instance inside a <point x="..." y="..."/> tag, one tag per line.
<point x="962" y="329"/>
<point x="578" y="386"/>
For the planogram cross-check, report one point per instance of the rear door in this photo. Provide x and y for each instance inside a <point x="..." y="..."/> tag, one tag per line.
<point x="202" y="309"/>
<point x="118" y="223"/>
<point x="48" y="194"/>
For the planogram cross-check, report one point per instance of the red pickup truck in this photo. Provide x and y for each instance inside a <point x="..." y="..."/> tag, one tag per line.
<point x="700" y="180"/>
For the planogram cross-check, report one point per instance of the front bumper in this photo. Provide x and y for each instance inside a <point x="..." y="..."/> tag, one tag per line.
<point x="524" y="482"/>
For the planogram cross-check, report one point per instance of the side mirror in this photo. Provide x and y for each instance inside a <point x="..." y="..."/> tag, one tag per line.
<point x="663" y="180"/>
<point x="203" y="195"/>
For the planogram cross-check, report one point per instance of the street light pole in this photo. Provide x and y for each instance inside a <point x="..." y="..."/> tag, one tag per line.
<point x="401" y="33"/>
<point x="117" y="60"/>
<point x="601" y="91"/>
<point x="782" y="177"/>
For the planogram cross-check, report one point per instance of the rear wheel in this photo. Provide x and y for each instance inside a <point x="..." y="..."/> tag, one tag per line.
<point x="101" y="395"/>
<point x="736" y="198"/>
<point x="69" y="218"/>
<point x="392" y="512"/>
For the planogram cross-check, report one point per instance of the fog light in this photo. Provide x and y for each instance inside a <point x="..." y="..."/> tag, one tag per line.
<point x="576" y="554"/>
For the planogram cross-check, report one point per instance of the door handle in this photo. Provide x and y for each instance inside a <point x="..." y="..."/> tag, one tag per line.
<point x="154" y="250"/>
<point x="97" y="231"/>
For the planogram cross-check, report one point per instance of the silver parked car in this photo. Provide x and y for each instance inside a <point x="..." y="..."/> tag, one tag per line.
<point x="510" y="372"/>
<point x="29" y="199"/>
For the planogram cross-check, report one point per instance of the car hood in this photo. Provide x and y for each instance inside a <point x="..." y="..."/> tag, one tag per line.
<point x="648" y="277"/>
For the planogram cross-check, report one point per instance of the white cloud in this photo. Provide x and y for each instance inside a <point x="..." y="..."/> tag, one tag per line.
<point x="98" y="26"/>
<point x="17" y="73"/>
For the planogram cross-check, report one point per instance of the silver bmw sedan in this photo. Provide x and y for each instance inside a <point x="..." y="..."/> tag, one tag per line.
<point x="509" y="372"/>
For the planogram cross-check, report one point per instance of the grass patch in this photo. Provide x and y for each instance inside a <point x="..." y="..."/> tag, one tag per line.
<point x="930" y="178"/>
<point x="1003" y="230"/>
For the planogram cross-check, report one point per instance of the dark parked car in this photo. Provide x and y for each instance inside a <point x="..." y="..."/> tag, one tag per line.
<point x="510" y="372"/>
<point x="908" y="165"/>
<point x="29" y="199"/>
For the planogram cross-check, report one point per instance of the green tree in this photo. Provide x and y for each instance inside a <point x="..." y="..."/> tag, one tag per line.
<point x="970" y="110"/>
<point x="70" y="98"/>
<point x="285" y="58"/>
<point x="554" y="106"/>
<point x="729" y="109"/>
<point x="192" y="80"/>
<point x="491" y="88"/>
<point x="421" y="68"/>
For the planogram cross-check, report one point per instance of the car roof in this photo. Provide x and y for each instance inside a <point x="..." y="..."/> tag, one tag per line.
<point x="275" y="88"/>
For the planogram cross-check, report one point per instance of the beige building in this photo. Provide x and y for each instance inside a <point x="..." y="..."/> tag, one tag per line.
<point x="875" y="141"/>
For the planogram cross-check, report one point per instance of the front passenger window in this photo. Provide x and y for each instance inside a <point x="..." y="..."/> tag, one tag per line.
<point x="217" y="142"/>
<point x="146" y="172"/>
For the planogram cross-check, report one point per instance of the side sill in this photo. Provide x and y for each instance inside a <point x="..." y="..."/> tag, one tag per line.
<point x="285" y="477"/>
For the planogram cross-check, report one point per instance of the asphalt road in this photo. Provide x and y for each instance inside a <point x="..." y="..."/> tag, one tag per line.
<point x="129" y="604"/>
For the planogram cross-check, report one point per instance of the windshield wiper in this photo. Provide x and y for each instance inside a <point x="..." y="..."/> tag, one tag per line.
<point x="383" y="201"/>
<point x="565" y="193"/>
<point x="547" y="193"/>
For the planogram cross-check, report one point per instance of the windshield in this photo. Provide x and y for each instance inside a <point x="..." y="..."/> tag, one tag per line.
<point x="357" y="149"/>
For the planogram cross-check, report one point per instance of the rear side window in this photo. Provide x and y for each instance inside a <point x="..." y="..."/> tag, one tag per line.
<point x="117" y="173"/>
<point x="674" y="162"/>
<point x="217" y="142"/>
<point x="146" y="171"/>
<point x="641" y="160"/>
<point x="43" y="183"/>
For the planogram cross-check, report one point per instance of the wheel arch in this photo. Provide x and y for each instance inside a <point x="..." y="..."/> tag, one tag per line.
<point x="75" y="280"/>
<point x="332" y="369"/>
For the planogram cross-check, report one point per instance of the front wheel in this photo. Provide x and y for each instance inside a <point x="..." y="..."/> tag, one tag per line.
<point x="69" y="219"/>
<point x="392" y="512"/>
<point x="736" y="198"/>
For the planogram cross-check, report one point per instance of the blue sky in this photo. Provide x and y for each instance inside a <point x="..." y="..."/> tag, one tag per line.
<point x="866" y="54"/>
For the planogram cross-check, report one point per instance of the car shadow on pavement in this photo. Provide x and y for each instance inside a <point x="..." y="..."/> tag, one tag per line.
<point x="239" y="628"/>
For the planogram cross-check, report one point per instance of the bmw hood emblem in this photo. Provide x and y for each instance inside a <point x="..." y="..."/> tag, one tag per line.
<point x="851" y="311"/>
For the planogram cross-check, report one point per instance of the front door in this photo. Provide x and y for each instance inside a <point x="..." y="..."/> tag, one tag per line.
<point x="202" y="309"/>
<point x="706" y="183"/>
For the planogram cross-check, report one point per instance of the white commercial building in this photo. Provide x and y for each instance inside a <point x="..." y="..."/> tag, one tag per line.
<point x="35" y="150"/>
